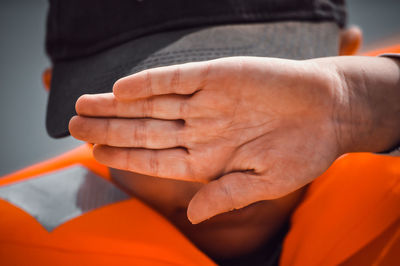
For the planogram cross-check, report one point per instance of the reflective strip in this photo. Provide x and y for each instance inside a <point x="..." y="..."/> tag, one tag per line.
<point x="58" y="197"/>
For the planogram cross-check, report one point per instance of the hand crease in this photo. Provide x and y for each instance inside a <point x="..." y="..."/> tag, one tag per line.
<point x="204" y="75"/>
<point x="149" y="84"/>
<point x="228" y="193"/>
<point x="106" y="136"/>
<point x="154" y="163"/>
<point x="176" y="79"/>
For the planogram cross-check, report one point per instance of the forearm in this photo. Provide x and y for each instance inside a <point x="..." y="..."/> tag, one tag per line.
<point x="367" y="102"/>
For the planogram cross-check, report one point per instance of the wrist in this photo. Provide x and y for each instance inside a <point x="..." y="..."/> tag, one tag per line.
<point x="349" y="113"/>
<point x="367" y="103"/>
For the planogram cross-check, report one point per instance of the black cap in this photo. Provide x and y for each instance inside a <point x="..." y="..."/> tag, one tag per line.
<point x="93" y="43"/>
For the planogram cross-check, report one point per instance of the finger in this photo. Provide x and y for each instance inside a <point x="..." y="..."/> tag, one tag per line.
<point x="232" y="191"/>
<point x="183" y="79"/>
<point x="99" y="105"/>
<point x="139" y="133"/>
<point x="161" y="107"/>
<point x="169" y="163"/>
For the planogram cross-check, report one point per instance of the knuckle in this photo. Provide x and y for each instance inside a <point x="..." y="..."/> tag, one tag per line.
<point x="128" y="160"/>
<point x="207" y="69"/>
<point x="205" y="73"/>
<point x="225" y="188"/>
<point x="140" y="133"/>
<point x="184" y="108"/>
<point x="175" y="80"/>
<point x="185" y="137"/>
<point x="188" y="170"/>
<point x="179" y="139"/>
<point x="148" y="107"/>
<point x="148" y="82"/>
<point x="108" y="133"/>
<point x="154" y="163"/>
<point x="117" y="108"/>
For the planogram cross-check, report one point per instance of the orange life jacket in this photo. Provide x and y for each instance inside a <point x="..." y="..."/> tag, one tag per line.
<point x="123" y="231"/>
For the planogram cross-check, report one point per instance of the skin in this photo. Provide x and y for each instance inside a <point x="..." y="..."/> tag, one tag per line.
<point x="228" y="235"/>
<point x="246" y="131"/>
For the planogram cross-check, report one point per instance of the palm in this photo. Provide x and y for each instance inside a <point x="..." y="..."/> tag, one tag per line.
<point x="253" y="129"/>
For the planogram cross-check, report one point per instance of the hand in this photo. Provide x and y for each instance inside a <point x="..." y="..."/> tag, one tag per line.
<point x="250" y="128"/>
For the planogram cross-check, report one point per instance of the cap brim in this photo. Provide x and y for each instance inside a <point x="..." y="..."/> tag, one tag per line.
<point x="97" y="73"/>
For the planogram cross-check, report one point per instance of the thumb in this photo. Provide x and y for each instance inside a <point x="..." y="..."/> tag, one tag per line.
<point x="232" y="191"/>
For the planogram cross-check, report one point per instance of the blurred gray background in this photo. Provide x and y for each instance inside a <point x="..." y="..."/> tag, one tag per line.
<point x="23" y="137"/>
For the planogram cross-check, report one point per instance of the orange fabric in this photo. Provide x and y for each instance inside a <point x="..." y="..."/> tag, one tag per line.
<point x="46" y="78"/>
<point x="391" y="49"/>
<point x="346" y="209"/>
<point x="80" y="155"/>
<point x="350" y="216"/>
<point x="384" y="250"/>
<point x="124" y="233"/>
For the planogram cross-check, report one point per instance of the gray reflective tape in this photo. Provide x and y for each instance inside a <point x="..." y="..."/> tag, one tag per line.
<point x="57" y="197"/>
